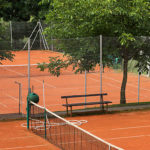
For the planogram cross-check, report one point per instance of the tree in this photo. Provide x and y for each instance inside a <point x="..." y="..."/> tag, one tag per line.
<point x="4" y="54"/>
<point x="23" y="10"/>
<point x="125" y="21"/>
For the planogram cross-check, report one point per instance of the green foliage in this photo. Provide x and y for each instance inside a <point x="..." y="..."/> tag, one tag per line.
<point x="4" y="37"/>
<point x="55" y="66"/>
<point x="6" y="55"/>
<point x="125" y="22"/>
<point x="23" y="10"/>
<point x="83" y="52"/>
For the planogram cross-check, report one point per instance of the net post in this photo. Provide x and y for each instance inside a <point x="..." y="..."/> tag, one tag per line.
<point x="45" y="122"/>
<point x="45" y="115"/>
<point x="28" y="113"/>
<point x="29" y="89"/>
<point x="11" y="37"/>
<point x="109" y="147"/>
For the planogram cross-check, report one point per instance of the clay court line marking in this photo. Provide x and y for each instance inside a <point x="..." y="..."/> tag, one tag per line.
<point x="32" y="79"/>
<point x="131" y="127"/>
<point x="126" y="137"/>
<point x="119" y="87"/>
<point x="45" y="83"/>
<point x="23" y="147"/>
<point x="120" y="82"/>
<point x="15" y="72"/>
<point x="4" y="105"/>
<point x="12" y="97"/>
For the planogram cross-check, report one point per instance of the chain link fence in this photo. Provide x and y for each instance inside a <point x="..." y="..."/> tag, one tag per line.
<point x="85" y="54"/>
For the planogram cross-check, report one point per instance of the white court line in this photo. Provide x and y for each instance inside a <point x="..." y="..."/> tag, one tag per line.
<point x="127" y="137"/>
<point x="23" y="75"/>
<point x="3" y="105"/>
<point x="15" y="72"/>
<point x="45" y="83"/>
<point x="131" y="127"/>
<point x="12" y="97"/>
<point x="24" y="147"/>
<point x="120" y="82"/>
<point x="119" y="87"/>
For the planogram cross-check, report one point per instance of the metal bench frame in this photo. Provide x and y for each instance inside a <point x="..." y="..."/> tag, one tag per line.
<point x="101" y="102"/>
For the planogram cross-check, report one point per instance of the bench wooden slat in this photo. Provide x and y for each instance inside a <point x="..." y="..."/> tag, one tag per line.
<point x="87" y="95"/>
<point x="88" y="103"/>
<point x="101" y="102"/>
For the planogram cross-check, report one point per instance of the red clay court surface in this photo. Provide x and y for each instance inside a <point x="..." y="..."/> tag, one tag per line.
<point x="129" y="131"/>
<point x="15" y="137"/>
<point x="67" y="84"/>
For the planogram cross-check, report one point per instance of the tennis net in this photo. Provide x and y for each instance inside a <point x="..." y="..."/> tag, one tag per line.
<point x="63" y="133"/>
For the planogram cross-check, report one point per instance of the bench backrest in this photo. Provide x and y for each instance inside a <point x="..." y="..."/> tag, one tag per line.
<point x="87" y="95"/>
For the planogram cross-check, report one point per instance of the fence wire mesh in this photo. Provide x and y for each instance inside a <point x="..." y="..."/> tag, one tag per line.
<point x="85" y="54"/>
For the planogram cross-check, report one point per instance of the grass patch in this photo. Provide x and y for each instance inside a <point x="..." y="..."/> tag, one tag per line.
<point x="129" y="104"/>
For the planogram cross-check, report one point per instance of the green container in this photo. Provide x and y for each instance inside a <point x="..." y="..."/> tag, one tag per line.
<point x="33" y="97"/>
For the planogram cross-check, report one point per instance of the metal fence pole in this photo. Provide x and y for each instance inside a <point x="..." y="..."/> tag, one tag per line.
<point x="101" y="64"/>
<point x="139" y="74"/>
<point x="11" y="39"/>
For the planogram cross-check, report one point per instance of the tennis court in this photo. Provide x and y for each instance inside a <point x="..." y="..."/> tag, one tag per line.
<point x="67" y="84"/>
<point x="14" y="136"/>
<point x="128" y="131"/>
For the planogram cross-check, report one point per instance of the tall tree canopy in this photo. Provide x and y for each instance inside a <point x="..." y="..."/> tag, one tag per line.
<point x="18" y="10"/>
<point x="127" y="22"/>
<point x="23" y="10"/>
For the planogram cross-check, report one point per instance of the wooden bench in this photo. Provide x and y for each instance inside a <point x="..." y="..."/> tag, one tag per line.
<point x="101" y="102"/>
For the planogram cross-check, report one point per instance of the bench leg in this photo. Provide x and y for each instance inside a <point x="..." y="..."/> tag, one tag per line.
<point x="71" y="111"/>
<point x="67" y="110"/>
<point x="107" y="107"/>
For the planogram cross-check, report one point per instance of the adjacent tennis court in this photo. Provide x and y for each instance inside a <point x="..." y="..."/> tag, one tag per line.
<point x="128" y="131"/>
<point x="67" y="84"/>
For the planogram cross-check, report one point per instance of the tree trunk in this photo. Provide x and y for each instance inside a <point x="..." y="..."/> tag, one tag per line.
<point x="124" y="81"/>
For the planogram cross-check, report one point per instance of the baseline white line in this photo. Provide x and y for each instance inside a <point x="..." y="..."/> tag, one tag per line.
<point x="126" y="137"/>
<point x="23" y="147"/>
<point x="131" y="127"/>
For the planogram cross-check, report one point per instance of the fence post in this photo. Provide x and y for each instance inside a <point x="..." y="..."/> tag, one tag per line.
<point x="139" y="74"/>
